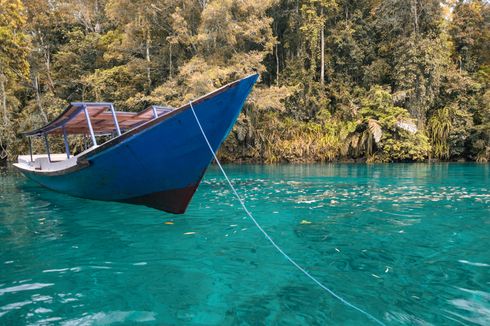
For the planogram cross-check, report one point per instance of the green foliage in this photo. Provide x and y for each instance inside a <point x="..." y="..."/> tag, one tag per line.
<point x="385" y="132"/>
<point x="314" y="14"/>
<point x="13" y="42"/>
<point x="118" y="83"/>
<point x="419" y="65"/>
<point x="470" y="30"/>
<point x="232" y="39"/>
<point x="439" y="127"/>
<point x="273" y="138"/>
<point x="407" y="147"/>
<point x="14" y="69"/>
<point x="370" y="80"/>
<point x="480" y="137"/>
<point x="74" y="60"/>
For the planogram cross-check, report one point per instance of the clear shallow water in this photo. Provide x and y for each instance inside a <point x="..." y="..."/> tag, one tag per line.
<point x="408" y="243"/>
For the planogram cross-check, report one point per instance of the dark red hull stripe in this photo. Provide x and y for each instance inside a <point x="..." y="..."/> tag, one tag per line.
<point x="173" y="201"/>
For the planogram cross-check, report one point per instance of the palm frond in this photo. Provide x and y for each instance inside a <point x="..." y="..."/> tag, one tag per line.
<point x="375" y="130"/>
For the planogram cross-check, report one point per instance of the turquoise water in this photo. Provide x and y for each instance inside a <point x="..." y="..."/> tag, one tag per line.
<point x="408" y="243"/>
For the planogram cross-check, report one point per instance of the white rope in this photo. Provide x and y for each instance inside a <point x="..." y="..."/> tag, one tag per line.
<point x="347" y="303"/>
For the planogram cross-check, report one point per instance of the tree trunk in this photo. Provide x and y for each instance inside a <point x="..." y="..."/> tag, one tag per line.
<point x="4" y="98"/>
<point x="322" y="41"/>
<point x="277" y="64"/>
<point x="415" y="17"/>
<point x="170" y="60"/>
<point x="35" y="84"/>
<point x="4" y="129"/>
<point x="48" y="73"/>
<point x="276" y="53"/>
<point x="47" y="61"/>
<point x="148" y="58"/>
<point x="96" y="14"/>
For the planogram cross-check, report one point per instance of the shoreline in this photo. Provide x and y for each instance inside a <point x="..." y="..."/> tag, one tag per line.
<point x="8" y="165"/>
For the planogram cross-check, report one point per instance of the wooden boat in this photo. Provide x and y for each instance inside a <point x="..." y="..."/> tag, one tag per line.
<point x="156" y="157"/>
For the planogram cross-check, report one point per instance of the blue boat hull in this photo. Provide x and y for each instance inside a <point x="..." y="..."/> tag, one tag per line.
<point x="159" y="164"/>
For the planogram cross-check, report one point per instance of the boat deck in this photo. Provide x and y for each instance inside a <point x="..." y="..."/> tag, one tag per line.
<point x="42" y="163"/>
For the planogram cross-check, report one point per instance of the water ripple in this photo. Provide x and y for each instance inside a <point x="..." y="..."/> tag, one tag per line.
<point x="405" y="242"/>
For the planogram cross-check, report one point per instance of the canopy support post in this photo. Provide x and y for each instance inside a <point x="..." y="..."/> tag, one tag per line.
<point x="155" y="114"/>
<point x="92" y="134"/>
<point x="65" y="139"/>
<point x="116" y="123"/>
<point x="30" y="148"/>
<point x="47" y="146"/>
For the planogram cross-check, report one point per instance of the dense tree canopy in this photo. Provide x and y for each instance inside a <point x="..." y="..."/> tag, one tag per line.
<point x="375" y="80"/>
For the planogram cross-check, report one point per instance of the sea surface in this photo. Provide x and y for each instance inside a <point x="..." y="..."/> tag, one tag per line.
<point x="409" y="243"/>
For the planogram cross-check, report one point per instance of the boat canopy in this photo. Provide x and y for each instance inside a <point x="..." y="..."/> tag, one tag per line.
<point x="97" y="119"/>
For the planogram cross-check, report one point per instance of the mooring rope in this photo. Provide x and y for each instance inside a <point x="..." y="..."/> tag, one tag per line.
<point x="347" y="303"/>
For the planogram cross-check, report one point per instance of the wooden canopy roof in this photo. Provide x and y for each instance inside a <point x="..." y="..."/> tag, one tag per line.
<point x="73" y="120"/>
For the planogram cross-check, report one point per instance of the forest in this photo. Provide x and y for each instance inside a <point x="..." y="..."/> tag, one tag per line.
<point x="340" y="80"/>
